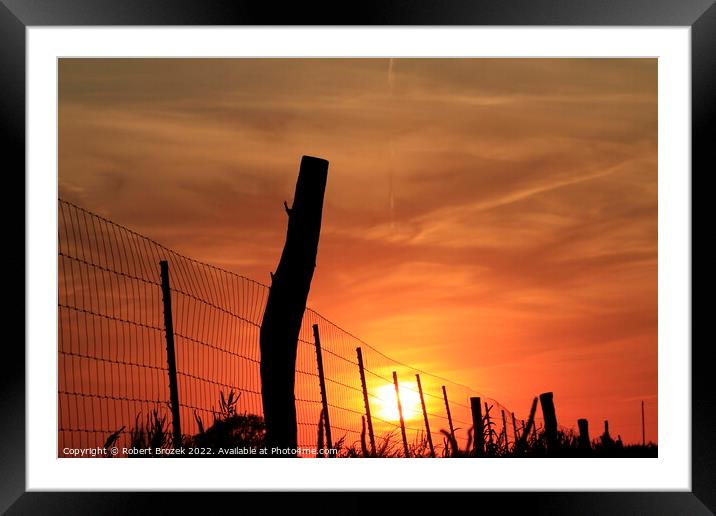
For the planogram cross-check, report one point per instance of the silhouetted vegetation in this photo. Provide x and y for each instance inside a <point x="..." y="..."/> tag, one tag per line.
<point x="151" y="434"/>
<point x="389" y="445"/>
<point x="233" y="430"/>
<point x="230" y="429"/>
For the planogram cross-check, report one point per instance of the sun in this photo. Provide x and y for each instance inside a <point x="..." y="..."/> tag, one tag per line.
<point x="387" y="405"/>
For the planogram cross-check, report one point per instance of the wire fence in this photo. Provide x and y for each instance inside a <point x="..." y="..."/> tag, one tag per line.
<point x="112" y="364"/>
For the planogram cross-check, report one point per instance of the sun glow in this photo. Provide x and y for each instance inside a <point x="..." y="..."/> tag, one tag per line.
<point x="387" y="404"/>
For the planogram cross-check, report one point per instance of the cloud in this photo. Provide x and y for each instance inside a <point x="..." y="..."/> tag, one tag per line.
<point x="495" y="219"/>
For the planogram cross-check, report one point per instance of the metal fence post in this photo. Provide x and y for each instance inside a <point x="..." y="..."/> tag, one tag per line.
<point x="322" y="383"/>
<point x="171" y="357"/>
<point x="400" y="413"/>
<point x="368" y="417"/>
<point x="449" y="416"/>
<point x="425" y="415"/>
<point x="477" y="425"/>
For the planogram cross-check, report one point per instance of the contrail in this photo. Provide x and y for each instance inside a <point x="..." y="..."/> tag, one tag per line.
<point x="391" y="199"/>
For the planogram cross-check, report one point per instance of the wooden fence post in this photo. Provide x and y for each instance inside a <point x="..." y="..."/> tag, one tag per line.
<point x="550" y="420"/>
<point x="606" y="439"/>
<point x="643" y="432"/>
<point x="584" y="442"/>
<point x="171" y="356"/>
<point x="425" y="415"/>
<point x="477" y="425"/>
<point x="400" y="413"/>
<point x="286" y="304"/>
<point x="322" y="383"/>
<point x="449" y="416"/>
<point x="368" y="417"/>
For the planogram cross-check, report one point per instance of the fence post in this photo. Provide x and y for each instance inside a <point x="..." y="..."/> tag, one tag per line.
<point x="365" y="400"/>
<point x="449" y="416"/>
<point x="550" y="419"/>
<point x="425" y="415"/>
<point x="477" y="425"/>
<point x="286" y="305"/>
<point x="514" y="428"/>
<point x="606" y="439"/>
<point x="504" y="428"/>
<point x="322" y="383"/>
<point x="584" y="441"/>
<point x="400" y="413"/>
<point x="643" y="433"/>
<point x="171" y="357"/>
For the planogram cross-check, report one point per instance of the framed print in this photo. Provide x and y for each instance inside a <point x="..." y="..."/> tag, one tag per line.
<point x="458" y="234"/>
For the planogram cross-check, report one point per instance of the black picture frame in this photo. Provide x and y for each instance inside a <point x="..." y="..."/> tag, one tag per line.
<point x="17" y="15"/>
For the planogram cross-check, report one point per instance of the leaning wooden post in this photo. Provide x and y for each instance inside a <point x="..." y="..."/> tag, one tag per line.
<point x="286" y="303"/>
<point x="368" y="417"/>
<point x="478" y="425"/>
<point x="504" y="428"/>
<point x="449" y="416"/>
<point x="550" y="420"/>
<point x="322" y="384"/>
<point x="400" y="413"/>
<point x="171" y="356"/>
<point x="514" y="429"/>
<point x="425" y="416"/>
<point x="584" y="441"/>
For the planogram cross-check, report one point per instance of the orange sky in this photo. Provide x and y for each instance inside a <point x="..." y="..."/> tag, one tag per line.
<point x="490" y="220"/>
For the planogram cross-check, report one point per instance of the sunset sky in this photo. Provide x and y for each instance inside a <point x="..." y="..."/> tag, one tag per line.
<point x="493" y="221"/>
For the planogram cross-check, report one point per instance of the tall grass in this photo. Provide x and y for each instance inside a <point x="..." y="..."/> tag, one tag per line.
<point x="231" y="429"/>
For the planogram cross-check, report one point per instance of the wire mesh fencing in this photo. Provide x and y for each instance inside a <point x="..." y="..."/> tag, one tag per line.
<point x="112" y="356"/>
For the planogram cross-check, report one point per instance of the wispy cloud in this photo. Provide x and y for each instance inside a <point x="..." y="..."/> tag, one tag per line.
<point x="496" y="219"/>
